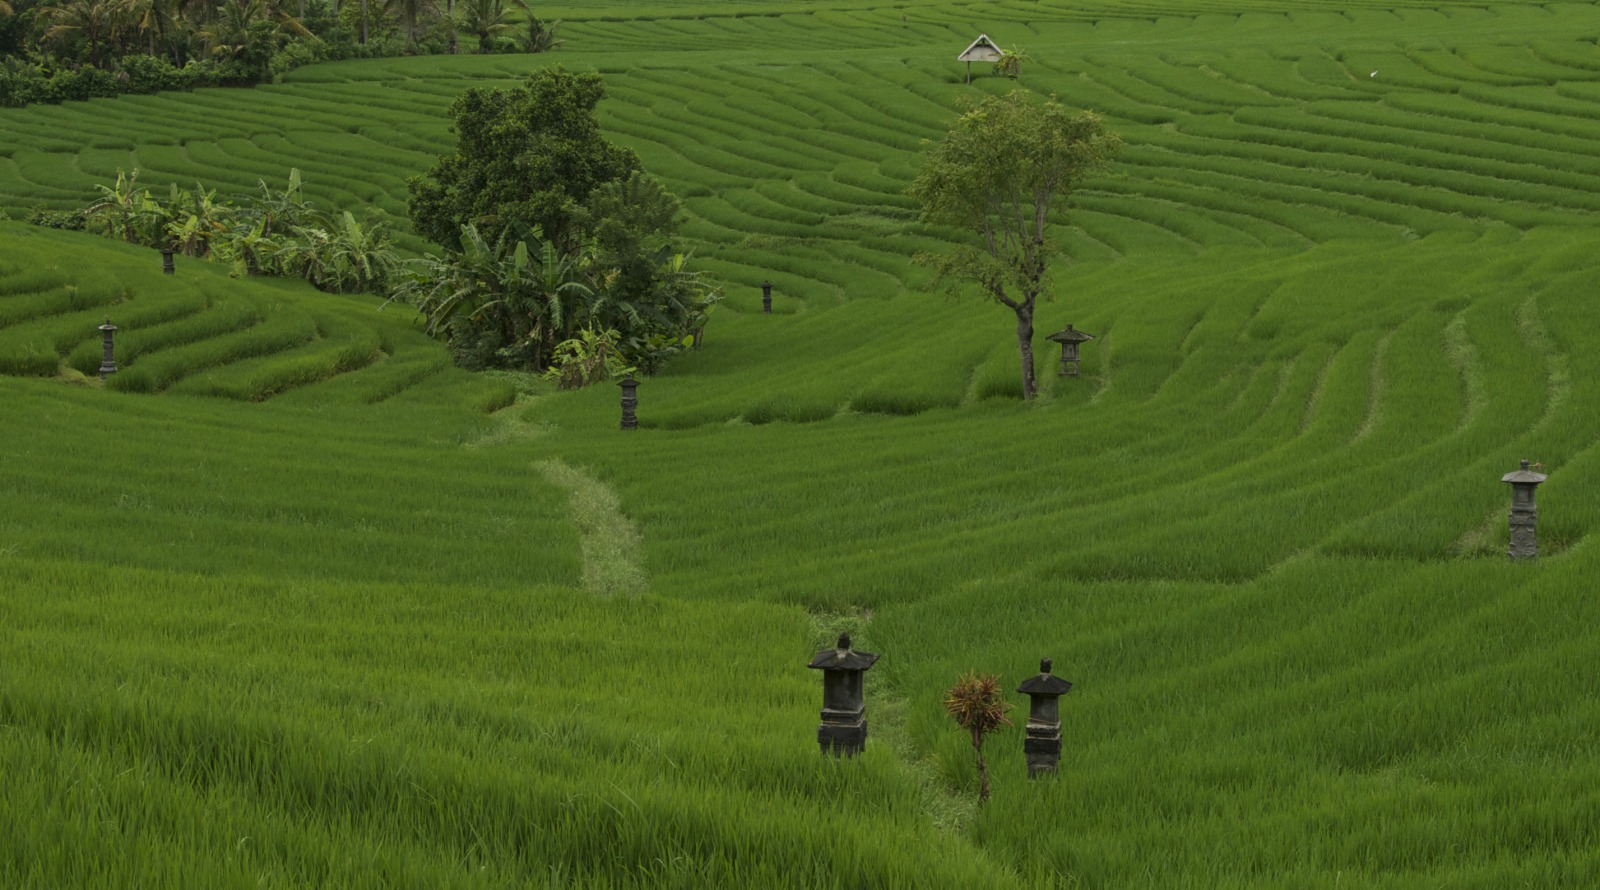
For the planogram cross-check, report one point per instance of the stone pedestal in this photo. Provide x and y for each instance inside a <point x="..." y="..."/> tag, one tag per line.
<point x="1042" y="747"/>
<point x="843" y="733"/>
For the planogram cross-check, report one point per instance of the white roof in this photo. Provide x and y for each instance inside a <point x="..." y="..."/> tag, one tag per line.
<point x="982" y="50"/>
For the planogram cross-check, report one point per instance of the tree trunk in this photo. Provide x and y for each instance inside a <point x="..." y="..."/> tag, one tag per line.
<point x="363" y="39"/>
<point x="983" y="767"/>
<point x="450" y="13"/>
<point x="1030" y="388"/>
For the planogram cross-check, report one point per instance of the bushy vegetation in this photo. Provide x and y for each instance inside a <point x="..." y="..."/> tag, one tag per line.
<point x="555" y="240"/>
<point x="57" y="50"/>
<point x="308" y="614"/>
<point x="272" y="233"/>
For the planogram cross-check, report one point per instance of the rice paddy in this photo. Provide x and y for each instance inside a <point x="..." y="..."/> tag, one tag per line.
<point x="290" y="601"/>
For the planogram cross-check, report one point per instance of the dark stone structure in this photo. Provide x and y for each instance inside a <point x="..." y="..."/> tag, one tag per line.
<point x="1041" y="742"/>
<point x="766" y="297"/>
<point x="1524" y="513"/>
<point x="166" y="260"/>
<point x="108" y="364"/>
<point x="844" y="714"/>
<point x="630" y="402"/>
<point x="1069" y="340"/>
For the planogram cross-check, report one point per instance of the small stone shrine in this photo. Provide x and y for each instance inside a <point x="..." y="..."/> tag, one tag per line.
<point x="630" y="402"/>
<point x="1069" y="340"/>
<point x="1524" y="513"/>
<point x="844" y="714"/>
<point x="1041" y="743"/>
<point x="108" y="362"/>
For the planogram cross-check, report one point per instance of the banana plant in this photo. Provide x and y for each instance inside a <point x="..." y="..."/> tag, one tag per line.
<point x="126" y="211"/>
<point x="195" y="219"/>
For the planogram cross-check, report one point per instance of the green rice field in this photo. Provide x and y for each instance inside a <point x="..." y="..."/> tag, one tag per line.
<point x="290" y="601"/>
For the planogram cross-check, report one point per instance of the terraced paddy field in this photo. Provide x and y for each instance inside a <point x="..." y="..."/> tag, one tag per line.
<point x="291" y="602"/>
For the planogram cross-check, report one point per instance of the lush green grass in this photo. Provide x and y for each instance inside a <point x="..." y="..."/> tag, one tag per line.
<point x="289" y="602"/>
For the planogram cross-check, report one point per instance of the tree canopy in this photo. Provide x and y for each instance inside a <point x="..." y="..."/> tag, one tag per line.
<point x="526" y="159"/>
<point x="552" y="236"/>
<point x="1005" y="167"/>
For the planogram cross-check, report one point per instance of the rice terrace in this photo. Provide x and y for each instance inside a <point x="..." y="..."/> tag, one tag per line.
<point x="296" y="597"/>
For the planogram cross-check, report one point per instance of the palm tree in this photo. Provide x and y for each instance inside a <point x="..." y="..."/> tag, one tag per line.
<point x="92" y="20"/>
<point x="151" y="18"/>
<point x="235" y="32"/>
<point x="541" y="35"/>
<point x="488" y="19"/>
<point x="410" y="14"/>
<point x="361" y="32"/>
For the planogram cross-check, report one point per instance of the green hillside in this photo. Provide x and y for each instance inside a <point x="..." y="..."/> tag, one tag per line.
<point x="290" y="601"/>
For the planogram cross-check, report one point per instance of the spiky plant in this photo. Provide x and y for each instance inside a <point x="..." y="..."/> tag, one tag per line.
<point x="977" y="706"/>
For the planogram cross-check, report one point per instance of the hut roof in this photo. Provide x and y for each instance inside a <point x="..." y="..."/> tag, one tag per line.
<point x="982" y="50"/>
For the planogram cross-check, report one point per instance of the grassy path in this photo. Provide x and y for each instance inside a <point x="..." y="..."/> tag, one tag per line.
<point x="612" y="557"/>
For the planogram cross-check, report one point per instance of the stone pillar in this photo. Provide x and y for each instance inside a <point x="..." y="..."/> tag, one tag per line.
<point x="766" y="297"/>
<point x="166" y="260"/>
<point x="1524" y="512"/>
<point x="630" y="402"/>
<point x="1041" y="743"/>
<point x="843" y="732"/>
<point x="108" y="363"/>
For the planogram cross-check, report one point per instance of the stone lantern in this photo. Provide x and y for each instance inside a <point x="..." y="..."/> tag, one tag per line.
<point x="1041" y="743"/>
<point x="166" y="260"/>
<point x="844" y="715"/>
<point x="630" y="401"/>
<point x="1069" y="340"/>
<point x="1524" y="513"/>
<point x="108" y="364"/>
<point x="766" y="297"/>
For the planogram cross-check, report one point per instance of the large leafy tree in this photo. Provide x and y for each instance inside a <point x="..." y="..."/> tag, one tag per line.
<point x="1002" y="173"/>
<point x="526" y="159"/>
<point x="549" y="232"/>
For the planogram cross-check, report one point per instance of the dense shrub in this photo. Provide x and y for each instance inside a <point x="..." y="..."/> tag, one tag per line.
<point x="152" y="74"/>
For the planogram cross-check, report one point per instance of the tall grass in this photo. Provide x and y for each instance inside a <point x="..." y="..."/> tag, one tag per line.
<point x="328" y="624"/>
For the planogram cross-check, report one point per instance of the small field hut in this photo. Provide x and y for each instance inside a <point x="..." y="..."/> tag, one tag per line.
<point x="982" y="50"/>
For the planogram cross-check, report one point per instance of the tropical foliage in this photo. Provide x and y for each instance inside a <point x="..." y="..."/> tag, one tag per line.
<point x="54" y="50"/>
<point x="549" y="229"/>
<point x="513" y="302"/>
<point x="271" y="233"/>
<point x="978" y="706"/>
